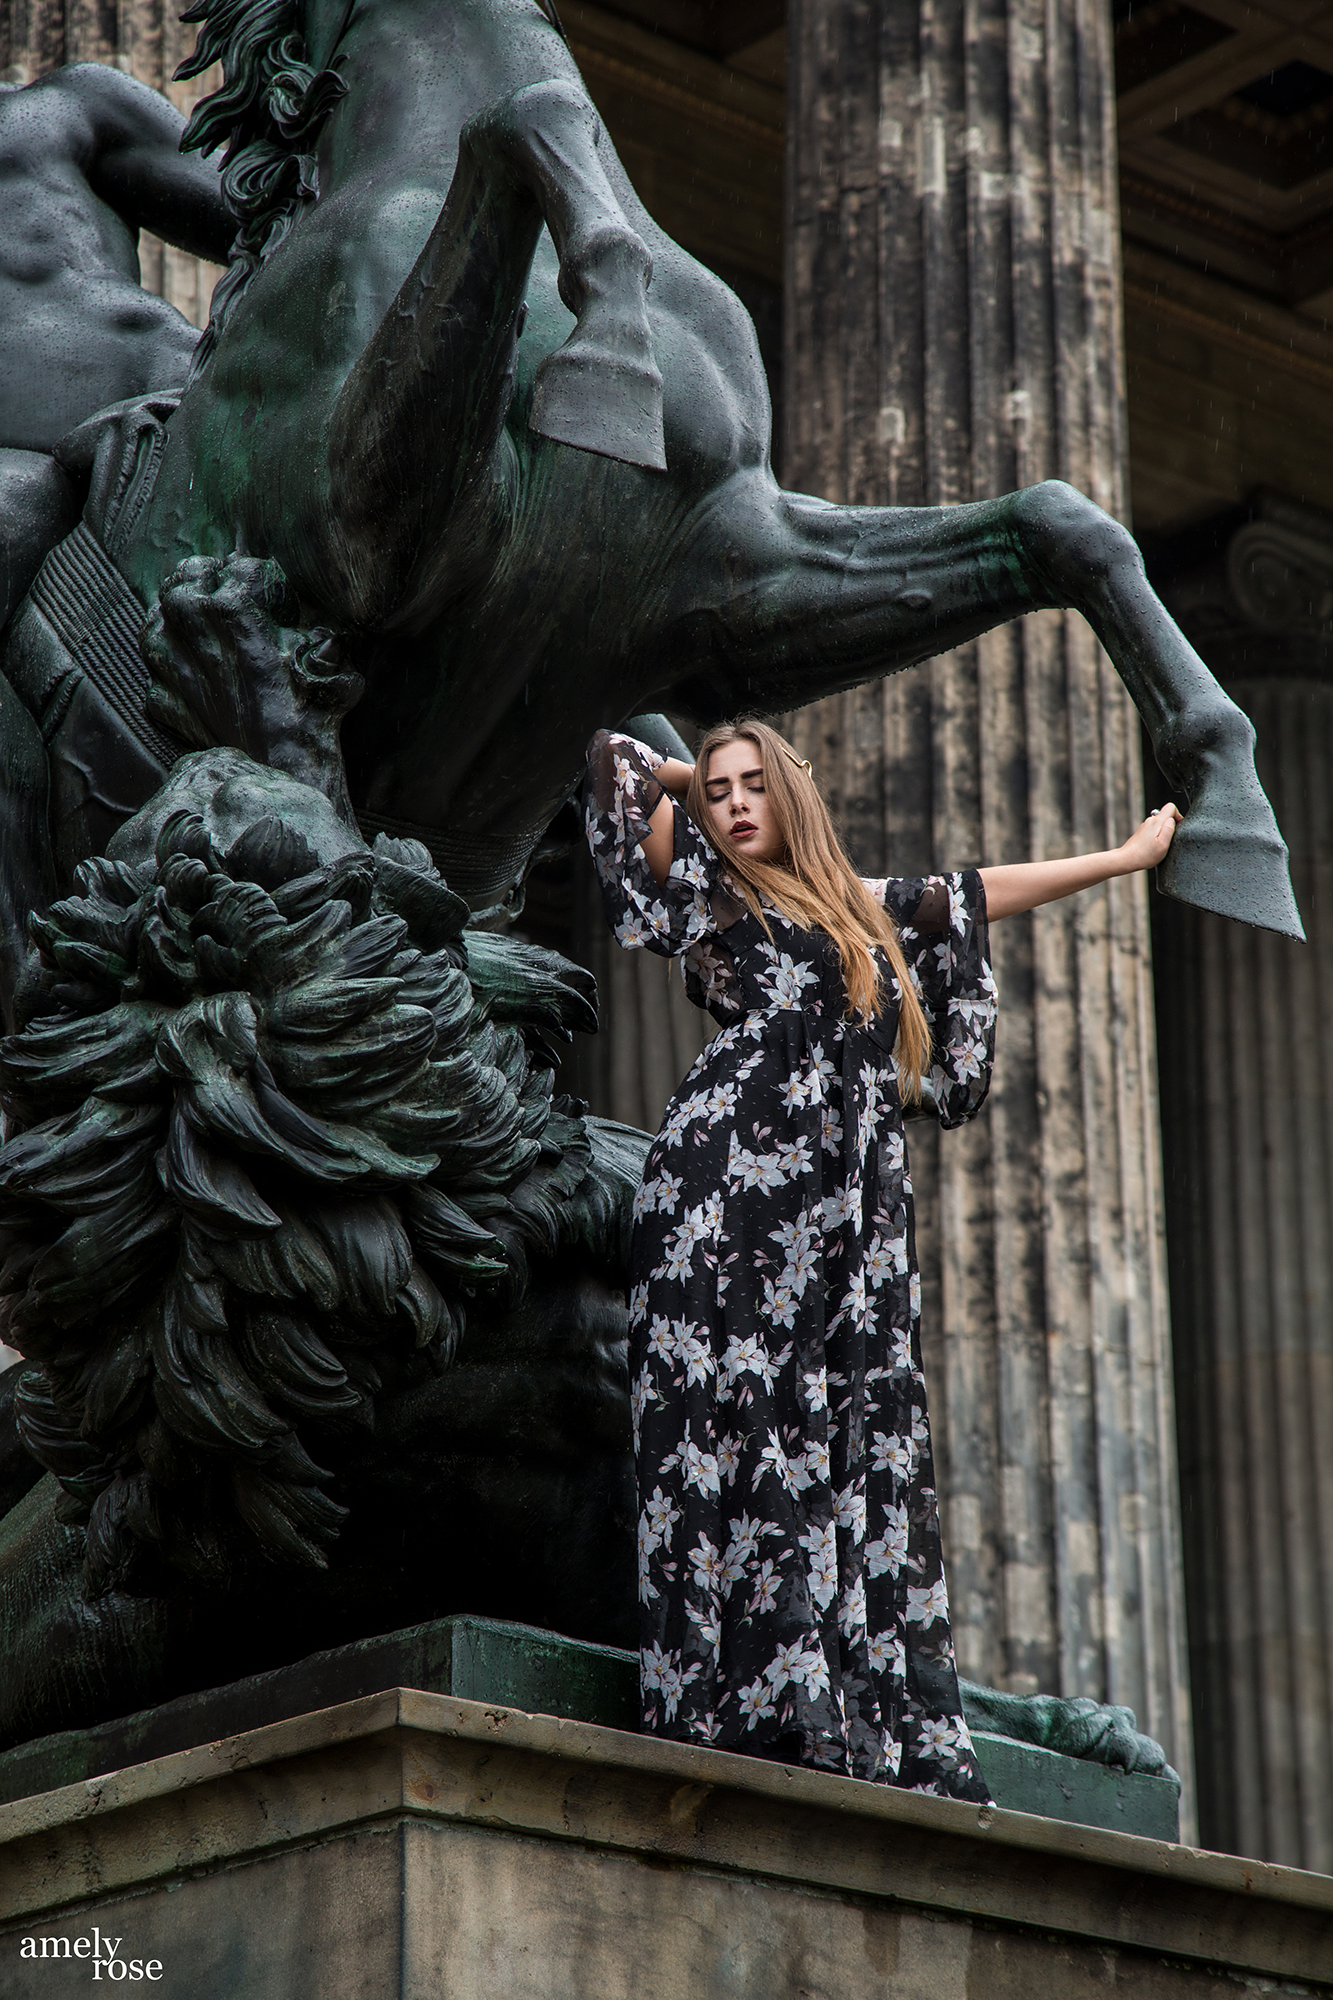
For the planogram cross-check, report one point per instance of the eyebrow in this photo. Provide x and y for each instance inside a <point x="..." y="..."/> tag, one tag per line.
<point x="757" y="772"/>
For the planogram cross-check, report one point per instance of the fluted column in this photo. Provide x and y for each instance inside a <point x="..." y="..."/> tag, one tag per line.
<point x="1248" y="1106"/>
<point x="650" y="1034"/>
<point x="953" y="331"/>
<point x="1247" y="1125"/>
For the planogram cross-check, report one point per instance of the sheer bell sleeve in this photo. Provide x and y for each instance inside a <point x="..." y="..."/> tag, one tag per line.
<point x="945" y="939"/>
<point x="620" y="796"/>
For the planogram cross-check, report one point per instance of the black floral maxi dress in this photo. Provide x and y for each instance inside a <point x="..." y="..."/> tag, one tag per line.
<point x="790" y="1578"/>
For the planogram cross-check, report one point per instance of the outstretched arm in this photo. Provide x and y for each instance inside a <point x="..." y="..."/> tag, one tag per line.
<point x="1024" y="885"/>
<point x="1010" y="889"/>
<point x="134" y="164"/>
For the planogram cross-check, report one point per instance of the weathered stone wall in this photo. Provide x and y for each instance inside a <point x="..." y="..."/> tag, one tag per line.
<point x="953" y="331"/>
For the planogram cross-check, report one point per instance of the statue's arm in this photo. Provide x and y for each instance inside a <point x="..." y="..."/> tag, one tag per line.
<point x="134" y="163"/>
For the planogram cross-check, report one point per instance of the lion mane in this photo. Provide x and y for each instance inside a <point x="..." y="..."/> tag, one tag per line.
<point x="278" y="1122"/>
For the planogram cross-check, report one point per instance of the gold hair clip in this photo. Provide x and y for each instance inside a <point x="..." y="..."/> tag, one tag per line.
<point x="802" y="763"/>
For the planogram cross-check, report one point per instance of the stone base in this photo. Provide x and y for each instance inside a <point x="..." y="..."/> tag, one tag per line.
<point x="517" y="1666"/>
<point x="413" y="1846"/>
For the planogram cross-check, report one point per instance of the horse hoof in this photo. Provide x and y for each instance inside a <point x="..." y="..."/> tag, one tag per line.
<point x="591" y="397"/>
<point x="1234" y="870"/>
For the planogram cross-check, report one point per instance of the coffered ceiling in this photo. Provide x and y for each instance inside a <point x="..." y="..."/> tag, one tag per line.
<point x="1226" y="130"/>
<point x="1225" y="116"/>
<point x="1226" y="139"/>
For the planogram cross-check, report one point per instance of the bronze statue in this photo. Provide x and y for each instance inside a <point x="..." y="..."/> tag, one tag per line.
<point x="491" y="421"/>
<point x="284" y="1167"/>
<point x="90" y="157"/>
<point x="468" y="431"/>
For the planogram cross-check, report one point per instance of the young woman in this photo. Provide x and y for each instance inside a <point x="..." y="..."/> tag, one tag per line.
<point x="792" y="1594"/>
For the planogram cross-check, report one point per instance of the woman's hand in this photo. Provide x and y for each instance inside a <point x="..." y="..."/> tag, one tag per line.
<point x="1146" y="848"/>
<point x="1025" y="885"/>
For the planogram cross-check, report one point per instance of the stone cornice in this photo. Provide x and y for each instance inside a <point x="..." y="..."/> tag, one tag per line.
<point x="403" y="1755"/>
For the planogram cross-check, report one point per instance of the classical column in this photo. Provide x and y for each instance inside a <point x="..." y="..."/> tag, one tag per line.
<point x="650" y="1034"/>
<point x="953" y="331"/>
<point x="1247" y="1126"/>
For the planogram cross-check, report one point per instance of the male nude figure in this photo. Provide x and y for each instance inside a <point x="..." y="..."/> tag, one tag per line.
<point x="88" y="157"/>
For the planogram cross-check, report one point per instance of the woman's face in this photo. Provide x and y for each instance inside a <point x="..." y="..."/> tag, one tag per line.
<point x="738" y="805"/>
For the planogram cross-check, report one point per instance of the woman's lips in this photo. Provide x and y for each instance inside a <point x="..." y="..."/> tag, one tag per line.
<point x="739" y="832"/>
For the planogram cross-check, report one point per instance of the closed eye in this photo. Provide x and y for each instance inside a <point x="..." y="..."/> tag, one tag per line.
<point x="718" y="789"/>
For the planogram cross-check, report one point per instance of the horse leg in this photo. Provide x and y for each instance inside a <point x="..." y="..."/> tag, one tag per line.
<point x="420" y="416"/>
<point x="1228" y="855"/>
<point x="601" y="391"/>
<point x="806" y="598"/>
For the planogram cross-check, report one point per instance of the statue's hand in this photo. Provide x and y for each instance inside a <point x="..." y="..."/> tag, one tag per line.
<point x="1105" y="1733"/>
<point x="226" y="669"/>
<point x="1101" y="1732"/>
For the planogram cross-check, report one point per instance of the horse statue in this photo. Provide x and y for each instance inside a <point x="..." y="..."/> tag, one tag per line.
<point x="496" y="427"/>
<point x="470" y="439"/>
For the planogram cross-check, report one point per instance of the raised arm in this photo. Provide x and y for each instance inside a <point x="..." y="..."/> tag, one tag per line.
<point x="134" y="164"/>
<point x="674" y="778"/>
<point x="1024" y="885"/>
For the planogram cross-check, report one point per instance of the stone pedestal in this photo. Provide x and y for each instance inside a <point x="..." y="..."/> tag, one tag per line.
<point x="517" y="1666"/>
<point x="411" y="1844"/>
<point x="953" y="332"/>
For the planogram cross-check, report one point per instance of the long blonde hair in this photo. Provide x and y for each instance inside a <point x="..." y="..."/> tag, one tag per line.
<point x="814" y="884"/>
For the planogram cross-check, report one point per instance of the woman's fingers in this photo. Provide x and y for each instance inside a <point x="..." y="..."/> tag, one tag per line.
<point x="1147" y="846"/>
<point x="1157" y="832"/>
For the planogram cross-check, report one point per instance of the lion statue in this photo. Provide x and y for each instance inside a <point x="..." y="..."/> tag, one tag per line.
<point x="282" y="1162"/>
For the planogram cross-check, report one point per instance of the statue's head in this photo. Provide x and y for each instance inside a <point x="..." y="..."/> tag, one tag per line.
<point x="269" y="1134"/>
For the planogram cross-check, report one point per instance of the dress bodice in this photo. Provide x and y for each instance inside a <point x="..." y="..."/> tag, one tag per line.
<point x="755" y="979"/>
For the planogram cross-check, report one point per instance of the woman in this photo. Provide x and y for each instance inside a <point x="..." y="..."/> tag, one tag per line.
<point x="792" y="1594"/>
